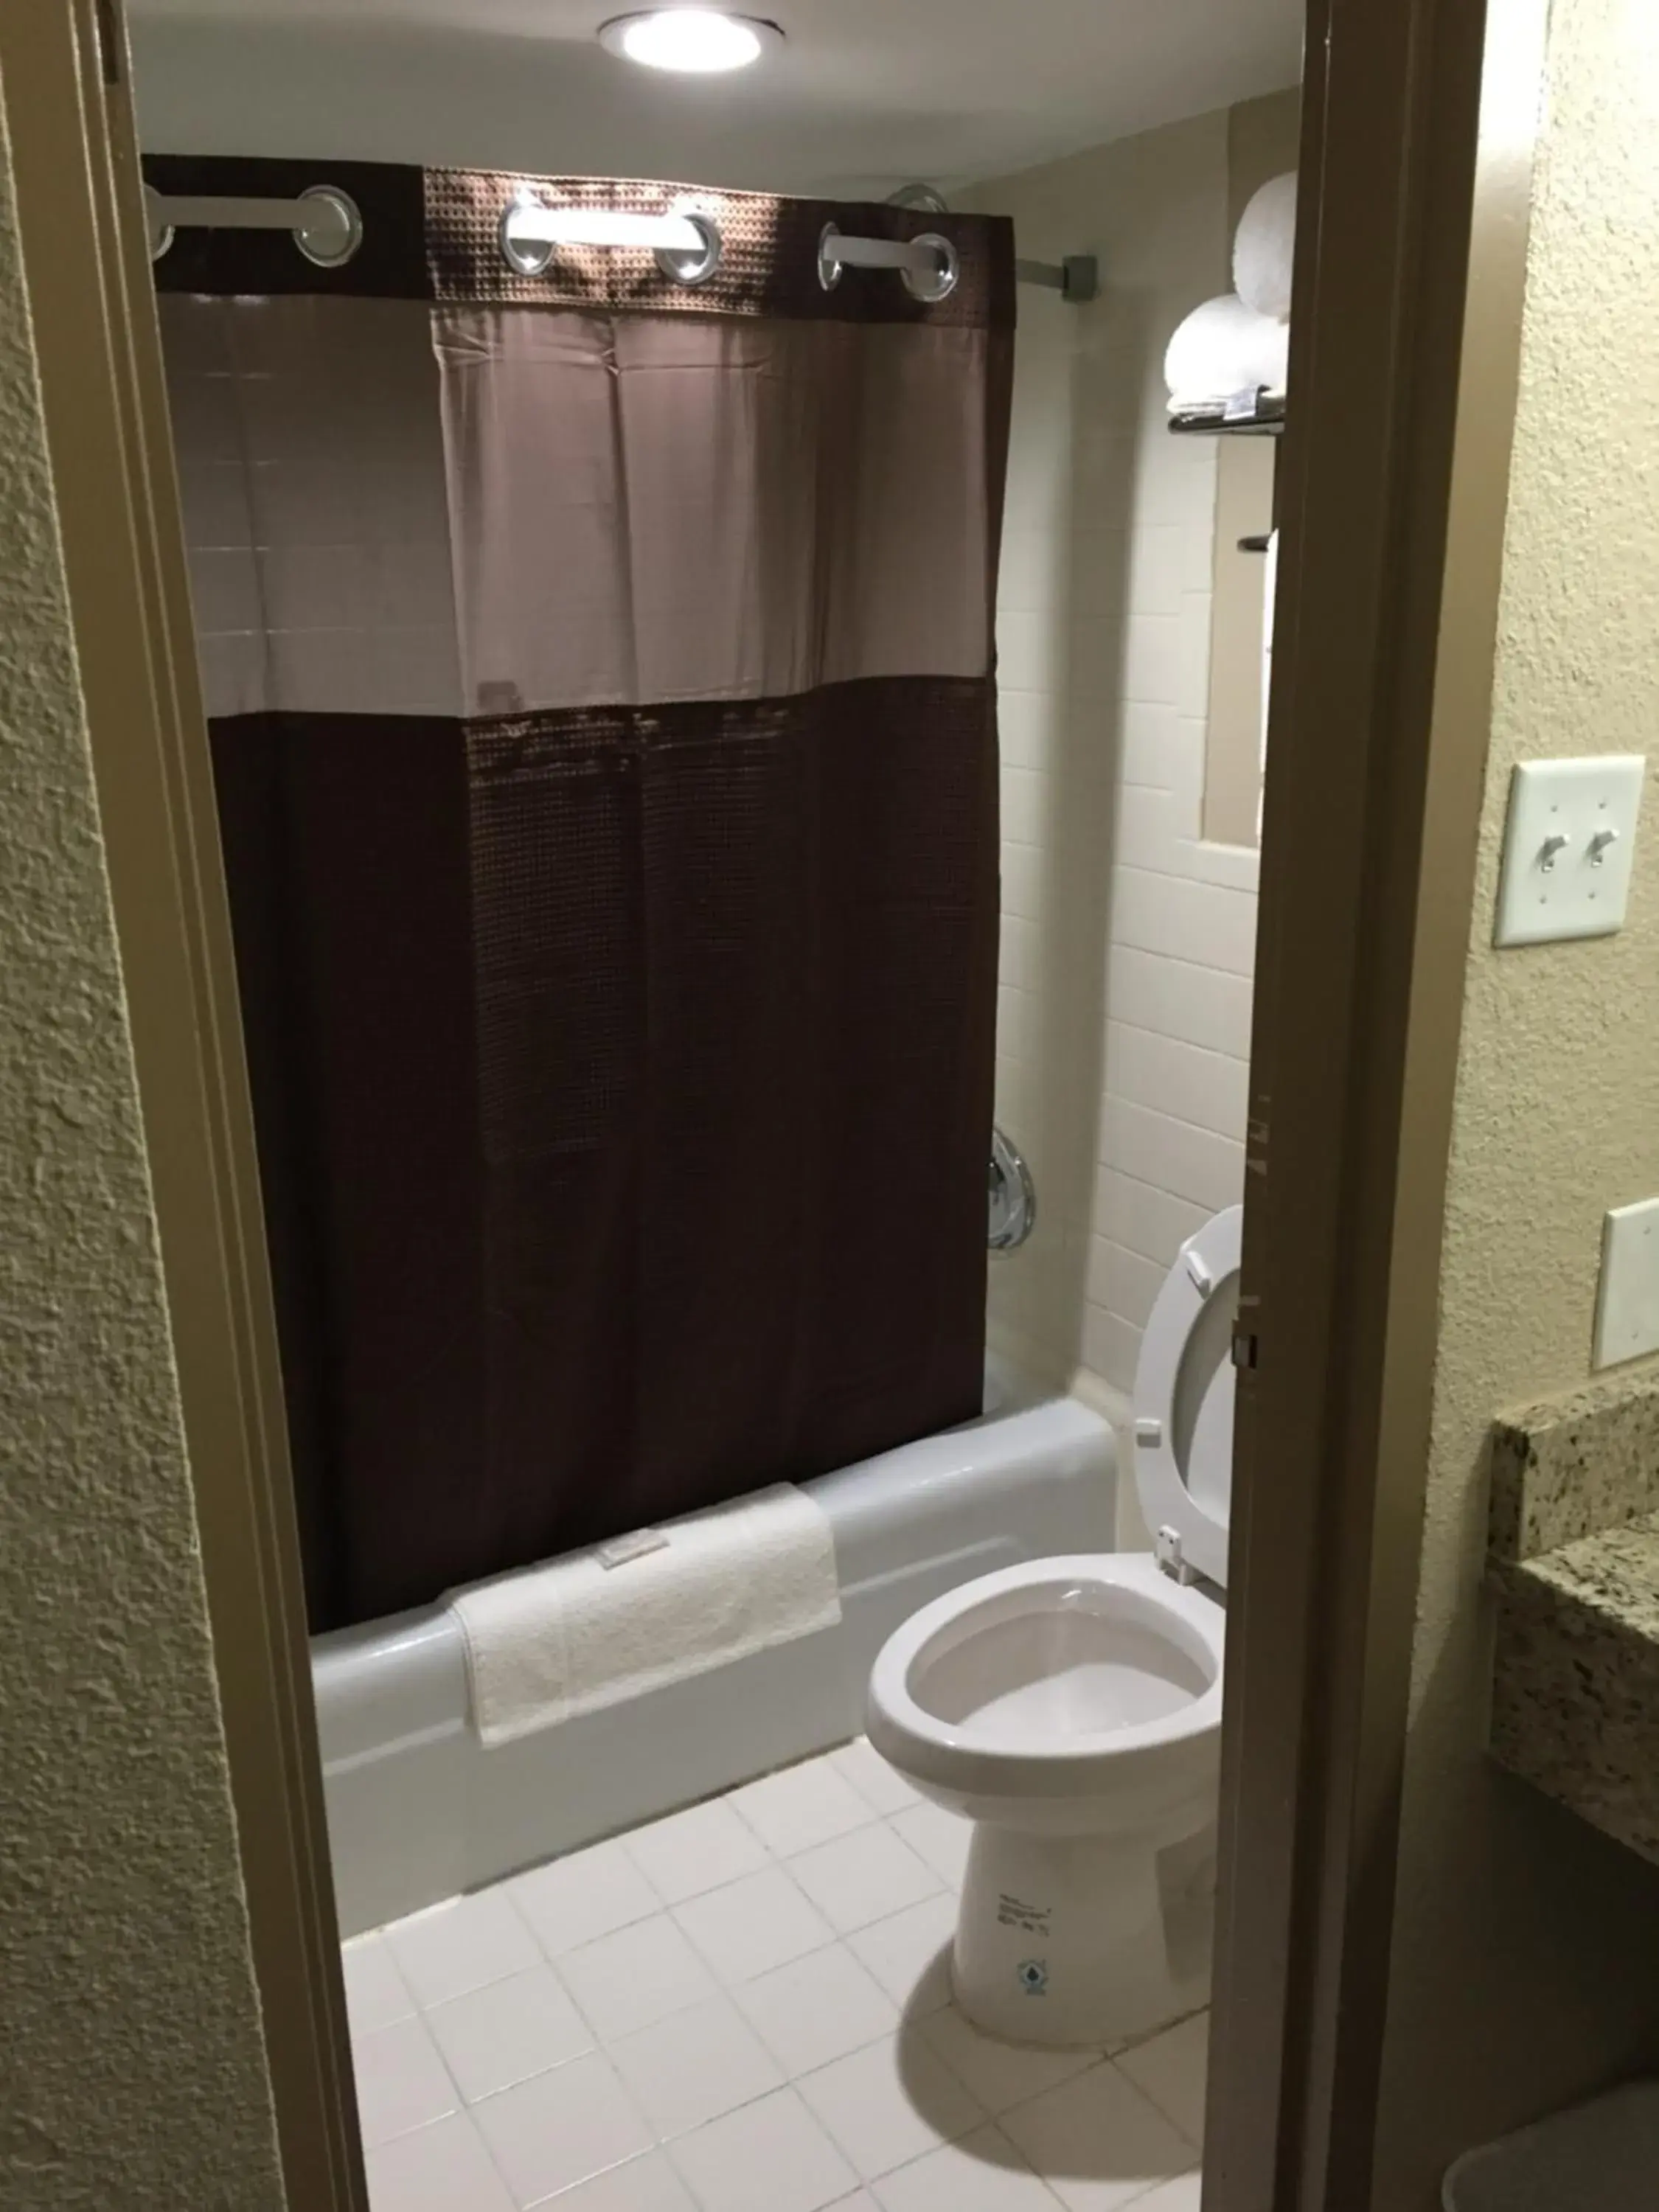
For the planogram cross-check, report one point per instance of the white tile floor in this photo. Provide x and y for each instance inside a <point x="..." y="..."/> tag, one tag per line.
<point x="744" y="2008"/>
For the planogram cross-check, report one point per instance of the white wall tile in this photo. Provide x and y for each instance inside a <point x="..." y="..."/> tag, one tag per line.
<point x="1153" y="659"/>
<point x="1026" y="804"/>
<point x="1159" y="567"/>
<point x="1023" y="886"/>
<point x="1193" y="1163"/>
<point x="1200" y="1006"/>
<point x="1208" y="1088"/>
<point x="1190" y="921"/>
<point x="1027" y="645"/>
<point x="1111" y="1348"/>
<point x="1025" y="725"/>
<point x="1143" y="1219"/>
<point x="1020" y="957"/>
<point x="1104" y="627"/>
<point x="1192" y="692"/>
<point x="1122" y="1282"/>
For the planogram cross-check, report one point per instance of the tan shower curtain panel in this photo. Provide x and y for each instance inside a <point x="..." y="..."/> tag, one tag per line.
<point x="599" y="678"/>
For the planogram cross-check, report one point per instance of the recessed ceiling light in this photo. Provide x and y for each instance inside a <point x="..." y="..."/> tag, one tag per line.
<point x="694" y="41"/>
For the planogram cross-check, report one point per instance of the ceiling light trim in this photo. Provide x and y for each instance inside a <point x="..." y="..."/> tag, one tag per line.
<point x="721" y="43"/>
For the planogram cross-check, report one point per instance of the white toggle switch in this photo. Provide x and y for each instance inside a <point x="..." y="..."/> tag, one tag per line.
<point x="1568" y="848"/>
<point x="1627" y="1301"/>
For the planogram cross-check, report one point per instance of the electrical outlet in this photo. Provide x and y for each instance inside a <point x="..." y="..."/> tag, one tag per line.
<point x="1627" y="1301"/>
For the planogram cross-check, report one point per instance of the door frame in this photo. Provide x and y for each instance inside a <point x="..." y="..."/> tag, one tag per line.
<point x="1421" y="121"/>
<point x="65" y="78"/>
<point x="1393" y="477"/>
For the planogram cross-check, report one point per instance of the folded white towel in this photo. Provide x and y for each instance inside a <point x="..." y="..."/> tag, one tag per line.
<point x="552" y="1642"/>
<point x="1223" y="347"/>
<point x="1264" y="251"/>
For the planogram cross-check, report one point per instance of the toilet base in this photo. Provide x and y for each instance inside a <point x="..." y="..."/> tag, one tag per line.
<point x="1063" y="1940"/>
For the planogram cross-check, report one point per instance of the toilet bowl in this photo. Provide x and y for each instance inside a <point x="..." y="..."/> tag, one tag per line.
<point x="1071" y="1708"/>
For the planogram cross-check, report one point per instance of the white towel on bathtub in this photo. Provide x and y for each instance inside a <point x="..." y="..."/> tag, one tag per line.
<point x="552" y="1642"/>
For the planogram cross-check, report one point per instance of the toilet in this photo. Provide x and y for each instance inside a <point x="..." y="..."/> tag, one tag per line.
<point x="1071" y="1708"/>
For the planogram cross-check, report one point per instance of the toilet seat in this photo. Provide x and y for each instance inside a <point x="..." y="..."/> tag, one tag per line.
<point x="1154" y="1647"/>
<point x="1184" y="1401"/>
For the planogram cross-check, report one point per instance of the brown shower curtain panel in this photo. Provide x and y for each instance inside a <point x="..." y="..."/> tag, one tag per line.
<point x="599" y="679"/>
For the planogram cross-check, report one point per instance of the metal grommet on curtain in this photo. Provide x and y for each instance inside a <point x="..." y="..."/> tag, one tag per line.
<point x="828" y="259"/>
<point x="1013" y="1196"/>
<point x="161" y="233"/>
<point x="526" y="257"/>
<point x="941" y="282"/>
<point x="928" y="198"/>
<point x="332" y="228"/>
<point x="688" y="268"/>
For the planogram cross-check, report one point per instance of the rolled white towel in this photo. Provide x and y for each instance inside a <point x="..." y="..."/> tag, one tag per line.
<point x="1223" y="347"/>
<point x="1264" y="250"/>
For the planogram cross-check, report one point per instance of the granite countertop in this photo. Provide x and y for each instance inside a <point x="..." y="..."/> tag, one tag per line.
<point x="1575" y="1566"/>
<point x="1613" y="1575"/>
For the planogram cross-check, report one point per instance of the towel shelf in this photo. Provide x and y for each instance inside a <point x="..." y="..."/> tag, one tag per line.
<point x="1262" y="417"/>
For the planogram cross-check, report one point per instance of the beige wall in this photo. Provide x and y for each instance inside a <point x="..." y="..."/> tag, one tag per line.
<point x="1527" y="1947"/>
<point x="134" y="2067"/>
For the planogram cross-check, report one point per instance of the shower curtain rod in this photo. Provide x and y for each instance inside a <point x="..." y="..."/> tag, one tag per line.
<point x="327" y="229"/>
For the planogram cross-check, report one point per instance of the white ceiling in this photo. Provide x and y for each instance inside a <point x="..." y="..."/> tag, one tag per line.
<point x="866" y="93"/>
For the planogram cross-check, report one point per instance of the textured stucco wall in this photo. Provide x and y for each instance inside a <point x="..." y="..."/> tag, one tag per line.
<point x="132" y="2072"/>
<point x="1527" y="1947"/>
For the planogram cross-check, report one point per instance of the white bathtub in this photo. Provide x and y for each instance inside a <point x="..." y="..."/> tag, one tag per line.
<point x="418" y="1809"/>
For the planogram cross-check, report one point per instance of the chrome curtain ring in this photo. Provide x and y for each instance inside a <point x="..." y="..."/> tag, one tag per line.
<point x="330" y="236"/>
<point x="687" y="268"/>
<point x="1012" y="1194"/>
<point x="160" y="232"/>
<point x="941" y="282"/>
<point x="526" y="257"/>
<point x="927" y="199"/>
<point x="828" y="259"/>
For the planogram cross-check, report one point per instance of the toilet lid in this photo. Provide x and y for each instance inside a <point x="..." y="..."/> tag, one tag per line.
<point x="1184" y="1396"/>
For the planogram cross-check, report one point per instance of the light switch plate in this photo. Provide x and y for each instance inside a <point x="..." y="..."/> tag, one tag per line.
<point x="1627" y="1301"/>
<point x="1568" y="847"/>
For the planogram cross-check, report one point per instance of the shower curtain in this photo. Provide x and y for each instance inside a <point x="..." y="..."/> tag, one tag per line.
<point x="599" y="674"/>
